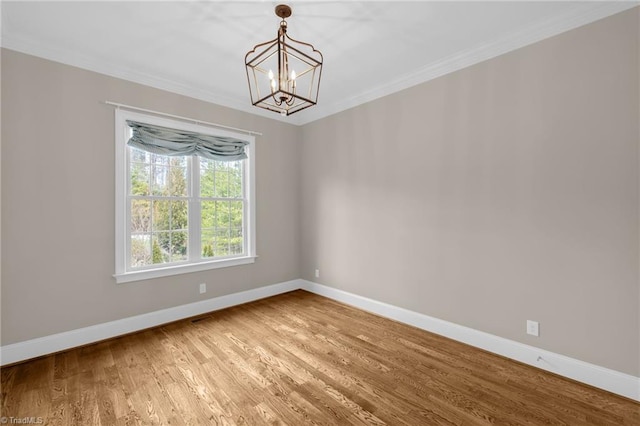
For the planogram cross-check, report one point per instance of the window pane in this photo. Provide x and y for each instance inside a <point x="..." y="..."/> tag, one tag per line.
<point x="222" y="180"/>
<point x="208" y="215"/>
<point x="236" y="214"/>
<point x="161" y="247"/>
<point x="179" y="215"/>
<point x="160" y="180"/>
<point x="139" y="179"/>
<point x="177" y="180"/>
<point x="223" y="214"/>
<point x="139" y="156"/>
<point x="140" y="216"/>
<point x="179" y="161"/>
<point x="179" y="242"/>
<point x="235" y="179"/>
<point x="207" y="177"/>
<point x="160" y="160"/>
<point x="208" y="243"/>
<point x="222" y="242"/>
<point x="140" y="250"/>
<point x="236" y="241"/>
<point x="161" y="215"/>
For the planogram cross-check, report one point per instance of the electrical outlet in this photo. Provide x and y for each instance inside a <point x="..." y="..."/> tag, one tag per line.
<point x="203" y="288"/>
<point x="533" y="328"/>
<point x="317" y="273"/>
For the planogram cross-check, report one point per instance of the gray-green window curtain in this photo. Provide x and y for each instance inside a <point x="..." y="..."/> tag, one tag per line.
<point x="173" y="142"/>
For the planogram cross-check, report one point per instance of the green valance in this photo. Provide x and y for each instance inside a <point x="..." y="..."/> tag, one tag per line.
<point x="173" y="142"/>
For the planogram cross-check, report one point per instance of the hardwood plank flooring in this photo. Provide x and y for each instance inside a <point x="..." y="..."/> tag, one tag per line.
<point x="295" y="359"/>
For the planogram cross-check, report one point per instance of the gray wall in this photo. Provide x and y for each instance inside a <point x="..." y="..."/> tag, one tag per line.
<point x="58" y="201"/>
<point x="503" y="192"/>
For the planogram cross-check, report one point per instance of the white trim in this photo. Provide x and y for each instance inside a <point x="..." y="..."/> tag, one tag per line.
<point x="195" y="264"/>
<point x="33" y="348"/>
<point x="594" y="375"/>
<point x="613" y="381"/>
<point x="147" y="274"/>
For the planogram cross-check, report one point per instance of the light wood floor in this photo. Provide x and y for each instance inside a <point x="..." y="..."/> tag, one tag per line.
<point x="297" y="359"/>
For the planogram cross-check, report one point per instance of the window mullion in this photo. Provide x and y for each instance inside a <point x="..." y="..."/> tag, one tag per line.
<point x="195" y="249"/>
<point x="246" y="241"/>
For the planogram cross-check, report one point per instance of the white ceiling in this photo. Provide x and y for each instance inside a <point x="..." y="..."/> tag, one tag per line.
<point x="370" y="48"/>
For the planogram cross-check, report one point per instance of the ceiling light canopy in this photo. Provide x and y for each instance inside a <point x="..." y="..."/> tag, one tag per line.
<point x="283" y="73"/>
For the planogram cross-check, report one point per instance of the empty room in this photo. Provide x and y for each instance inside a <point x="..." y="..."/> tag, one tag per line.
<point x="320" y="212"/>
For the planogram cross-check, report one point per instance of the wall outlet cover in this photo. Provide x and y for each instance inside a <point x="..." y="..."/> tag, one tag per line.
<point x="533" y="328"/>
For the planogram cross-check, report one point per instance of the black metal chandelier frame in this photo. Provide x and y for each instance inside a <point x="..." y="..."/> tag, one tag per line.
<point x="285" y="91"/>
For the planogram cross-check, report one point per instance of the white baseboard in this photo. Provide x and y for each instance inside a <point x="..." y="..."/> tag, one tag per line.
<point x="594" y="375"/>
<point x="22" y="351"/>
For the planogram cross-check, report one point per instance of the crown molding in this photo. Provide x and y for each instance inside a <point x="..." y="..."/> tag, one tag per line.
<point x="469" y="57"/>
<point x="74" y="59"/>
<point x="456" y="62"/>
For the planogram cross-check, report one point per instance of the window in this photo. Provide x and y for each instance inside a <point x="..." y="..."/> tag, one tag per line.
<point x="177" y="212"/>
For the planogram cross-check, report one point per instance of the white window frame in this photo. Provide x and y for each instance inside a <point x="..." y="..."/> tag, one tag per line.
<point x="123" y="272"/>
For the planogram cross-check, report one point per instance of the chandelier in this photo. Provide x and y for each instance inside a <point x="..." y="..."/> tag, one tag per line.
<point x="283" y="73"/>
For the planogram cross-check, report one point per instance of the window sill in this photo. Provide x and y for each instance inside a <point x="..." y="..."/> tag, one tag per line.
<point x="181" y="269"/>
